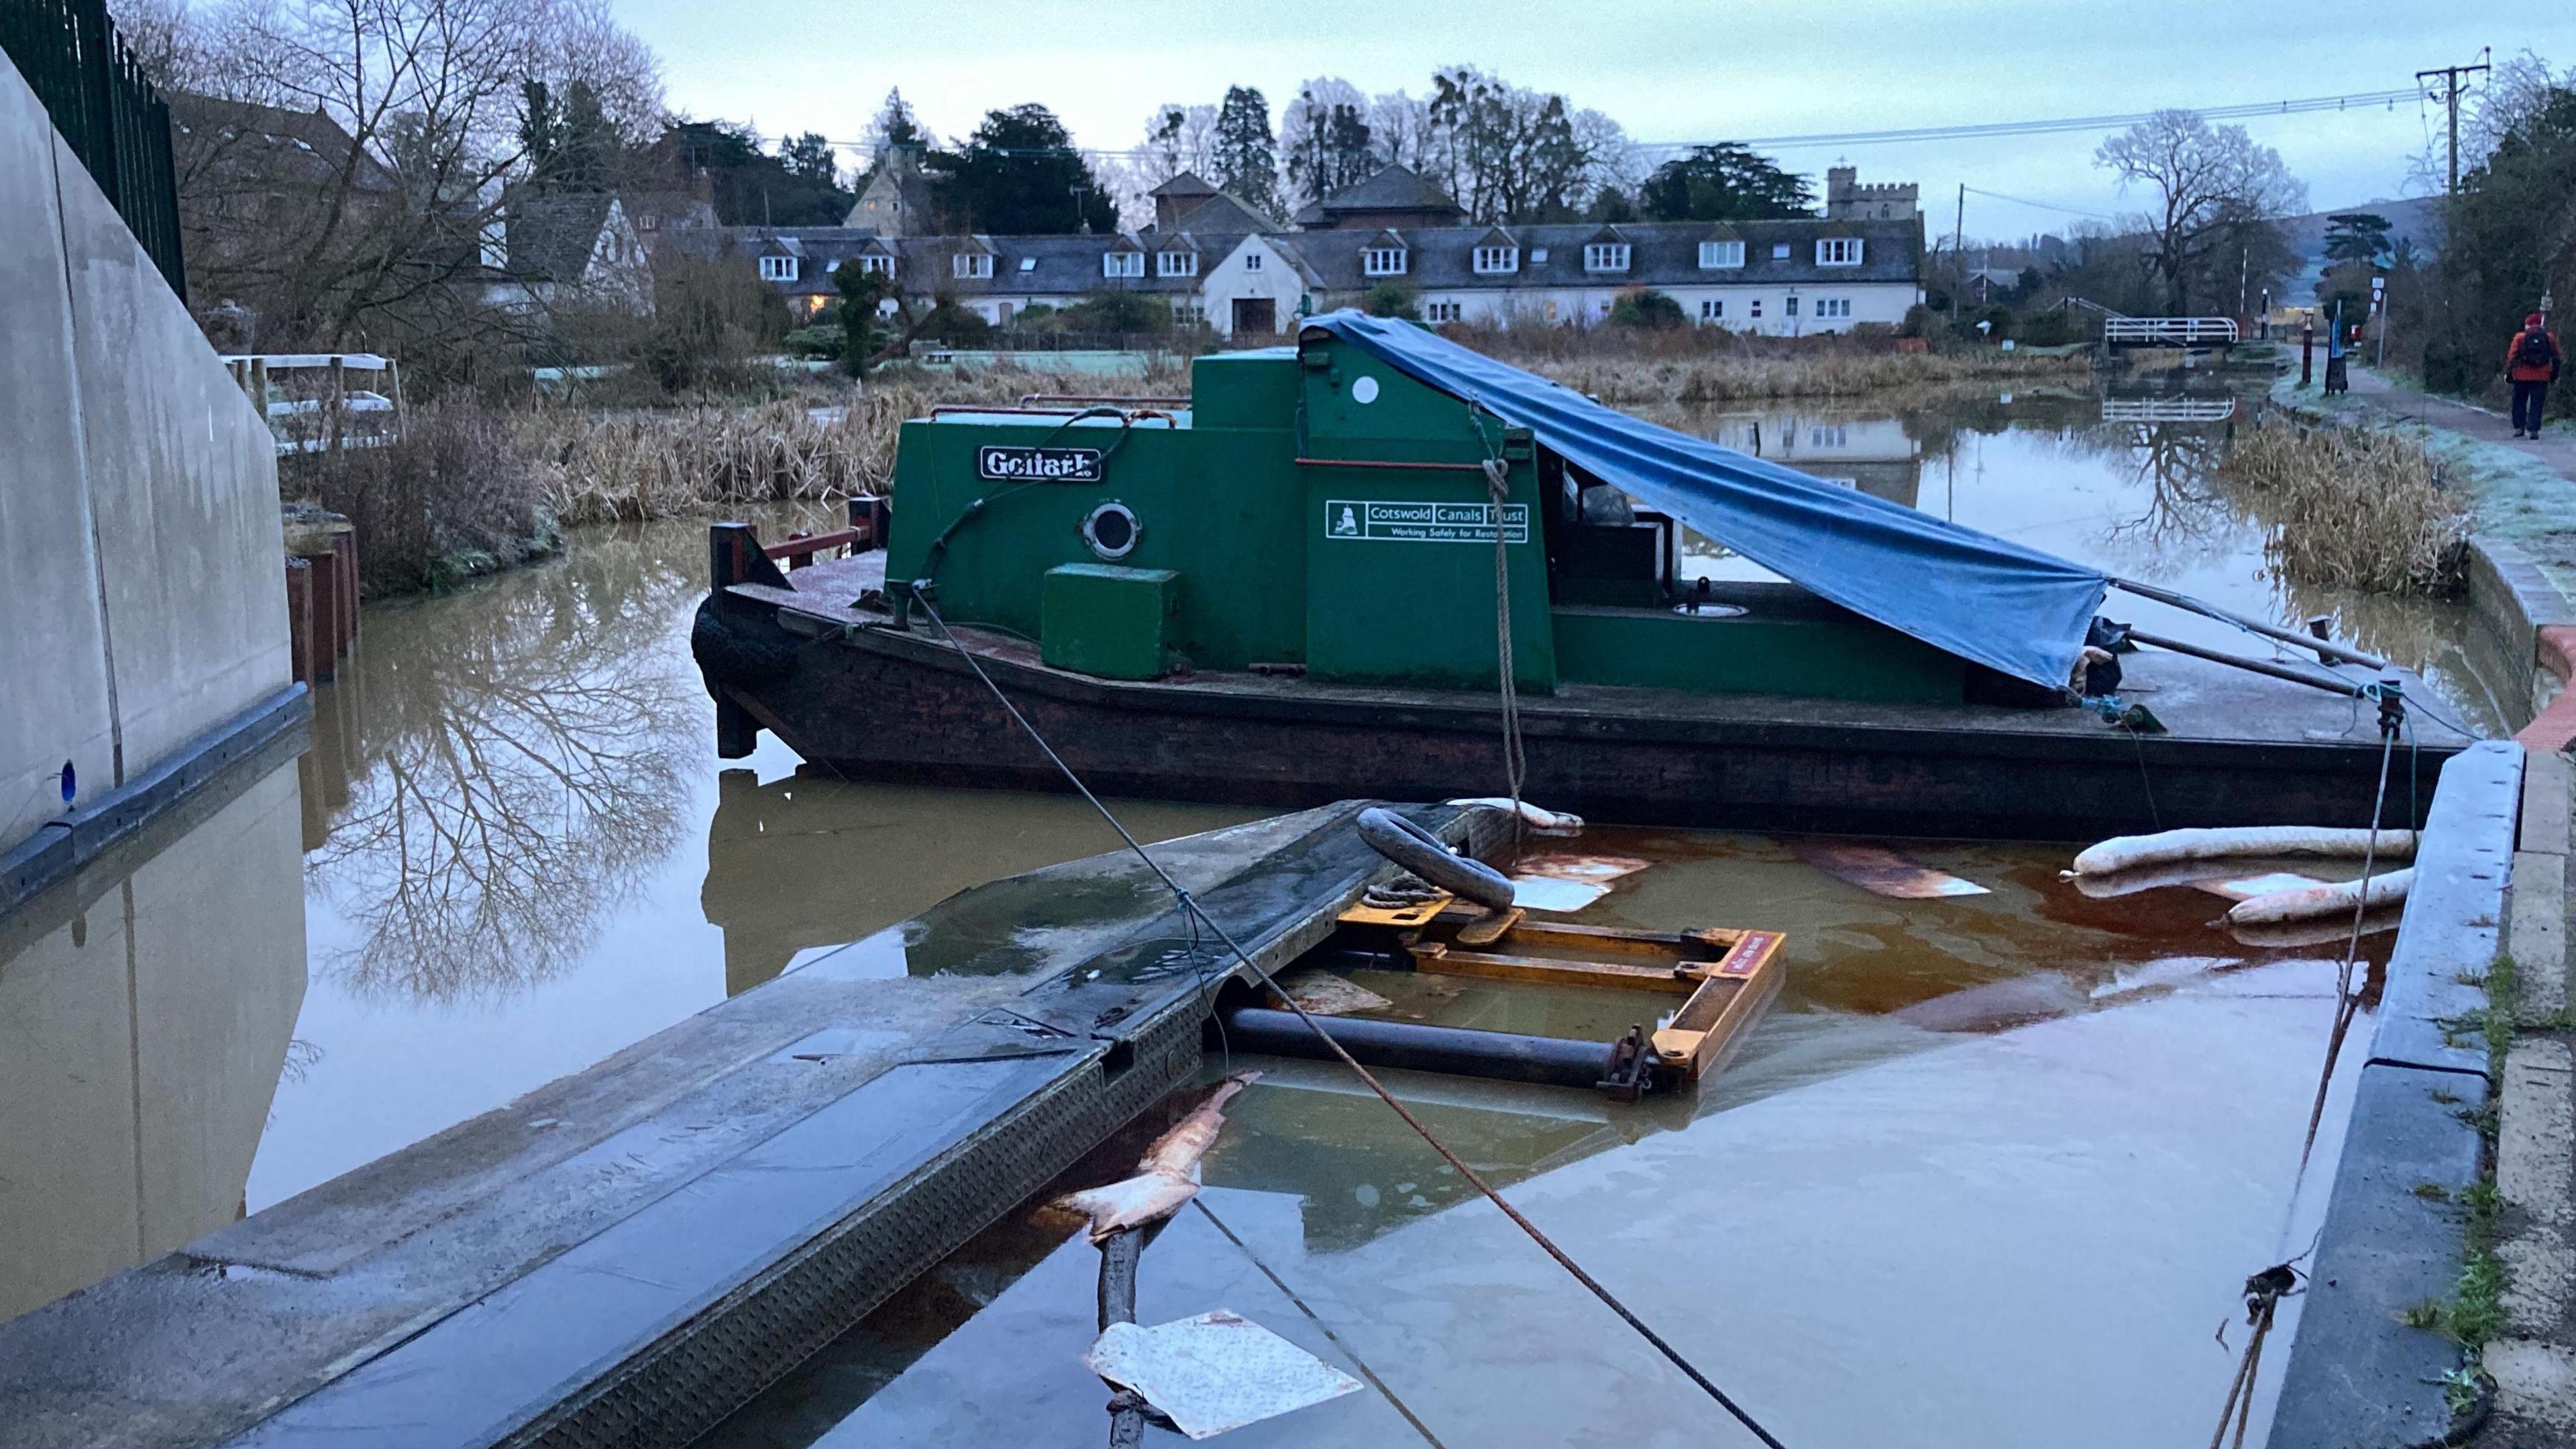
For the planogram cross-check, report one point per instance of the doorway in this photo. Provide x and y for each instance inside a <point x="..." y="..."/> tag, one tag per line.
<point x="1255" y="315"/>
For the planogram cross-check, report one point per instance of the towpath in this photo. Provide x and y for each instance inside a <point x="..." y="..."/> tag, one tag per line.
<point x="2556" y="445"/>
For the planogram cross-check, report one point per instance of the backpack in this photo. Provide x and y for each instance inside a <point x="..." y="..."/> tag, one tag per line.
<point x="2536" y="350"/>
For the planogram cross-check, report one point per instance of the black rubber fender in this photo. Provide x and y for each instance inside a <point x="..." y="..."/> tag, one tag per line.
<point x="737" y="652"/>
<point x="1421" y="852"/>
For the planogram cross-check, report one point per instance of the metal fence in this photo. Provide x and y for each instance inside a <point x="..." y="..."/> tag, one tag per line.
<point x="107" y="112"/>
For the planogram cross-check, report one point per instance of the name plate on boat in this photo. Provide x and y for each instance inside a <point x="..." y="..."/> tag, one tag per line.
<point x="1039" y="465"/>
<point x="1386" y="522"/>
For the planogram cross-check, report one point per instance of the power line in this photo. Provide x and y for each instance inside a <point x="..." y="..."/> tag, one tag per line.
<point x="2043" y="205"/>
<point x="2244" y="111"/>
<point x="2247" y="111"/>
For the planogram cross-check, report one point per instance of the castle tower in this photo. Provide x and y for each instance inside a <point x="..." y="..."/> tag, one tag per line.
<point x="1846" y="199"/>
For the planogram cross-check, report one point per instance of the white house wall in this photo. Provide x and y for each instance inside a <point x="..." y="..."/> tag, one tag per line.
<point x="1883" y="303"/>
<point x="1277" y="279"/>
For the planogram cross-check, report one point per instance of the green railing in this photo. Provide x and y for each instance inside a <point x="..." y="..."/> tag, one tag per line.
<point x="108" y="113"/>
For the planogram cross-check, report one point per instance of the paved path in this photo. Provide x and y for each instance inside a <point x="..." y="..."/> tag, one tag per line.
<point x="2556" y="446"/>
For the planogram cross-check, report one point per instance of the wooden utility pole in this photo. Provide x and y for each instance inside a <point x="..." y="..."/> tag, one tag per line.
<point x="1959" y="255"/>
<point x="2454" y="80"/>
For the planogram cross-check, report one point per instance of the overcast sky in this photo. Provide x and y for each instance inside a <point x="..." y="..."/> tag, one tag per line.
<point x="1668" y="70"/>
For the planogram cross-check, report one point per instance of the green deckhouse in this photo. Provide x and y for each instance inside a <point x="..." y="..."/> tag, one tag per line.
<point x="1316" y="507"/>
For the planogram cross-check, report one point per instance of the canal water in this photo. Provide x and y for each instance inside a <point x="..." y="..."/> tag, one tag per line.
<point x="512" y="852"/>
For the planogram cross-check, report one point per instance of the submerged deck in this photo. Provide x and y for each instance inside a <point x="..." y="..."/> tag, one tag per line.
<point x="629" y="1252"/>
<point x="2242" y="749"/>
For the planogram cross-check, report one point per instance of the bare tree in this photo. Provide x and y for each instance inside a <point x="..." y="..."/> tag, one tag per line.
<point x="2210" y="182"/>
<point x="355" y="210"/>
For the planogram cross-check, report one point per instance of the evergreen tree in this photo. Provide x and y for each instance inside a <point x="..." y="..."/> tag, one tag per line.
<point x="1725" y="182"/>
<point x="809" y="157"/>
<point x="571" y="147"/>
<point x="895" y="128"/>
<point x="1247" y="162"/>
<point x="2356" y="236"/>
<point x="1019" y="175"/>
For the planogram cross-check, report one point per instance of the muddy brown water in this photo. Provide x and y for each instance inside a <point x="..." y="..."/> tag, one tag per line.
<point x="511" y="852"/>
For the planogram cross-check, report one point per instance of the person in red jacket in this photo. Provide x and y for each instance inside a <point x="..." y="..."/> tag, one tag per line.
<point x="2531" y="365"/>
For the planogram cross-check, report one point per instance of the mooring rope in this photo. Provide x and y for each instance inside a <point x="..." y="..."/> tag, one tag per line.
<point x="1348" y="1352"/>
<point x="1498" y="490"/>
<point x="1189" y="905"/>
<point x="2265" y="1290"/>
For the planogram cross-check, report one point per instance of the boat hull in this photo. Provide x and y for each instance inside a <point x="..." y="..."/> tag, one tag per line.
<point x="868" y="702"/>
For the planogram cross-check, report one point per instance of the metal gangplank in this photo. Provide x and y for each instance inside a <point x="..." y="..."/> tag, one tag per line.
<point x="2169" y="331"/>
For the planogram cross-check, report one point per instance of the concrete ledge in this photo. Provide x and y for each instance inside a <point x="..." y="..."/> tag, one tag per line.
<point x="64" y="845"/>
<point x="2358" y="1377"/>
<point x="2512" y="600"/>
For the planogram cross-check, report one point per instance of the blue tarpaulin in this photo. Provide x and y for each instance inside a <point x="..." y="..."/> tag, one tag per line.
<point x="1980" y="597"/>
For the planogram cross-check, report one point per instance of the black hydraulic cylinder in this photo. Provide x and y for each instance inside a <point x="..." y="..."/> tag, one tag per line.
<point x="1499" y="1056"/>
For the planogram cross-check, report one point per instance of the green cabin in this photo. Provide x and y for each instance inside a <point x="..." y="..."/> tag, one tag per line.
<point x="1315" y="507"/>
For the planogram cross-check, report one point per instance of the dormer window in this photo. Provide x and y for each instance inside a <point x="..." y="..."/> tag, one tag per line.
<point x="971" y="266"/>
<point x="1838" y="251"/>
<point x="1492" y="261"/>
<point x="876" y="264"/>
<point x="1122" y="264"/>
<point x="1176" y="264"/>
<point x="1382" y="262"/>
<point x="1605" y="256"/>
<point x="777" y="269"/>
<point x="1717" y="254"/>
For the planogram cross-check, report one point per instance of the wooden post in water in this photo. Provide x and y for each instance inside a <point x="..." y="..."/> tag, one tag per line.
<point x="731" y="550"/>
<point x="1119" y="1257"/>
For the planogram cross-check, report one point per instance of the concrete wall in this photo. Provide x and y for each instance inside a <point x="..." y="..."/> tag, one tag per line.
<point x="140" y="557"/>
<point x="145" y="1011"/>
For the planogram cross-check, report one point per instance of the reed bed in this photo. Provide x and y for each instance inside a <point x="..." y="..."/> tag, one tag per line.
<point x="1722" y="377"/>
<point x="601" y="467"/>
<point x="2356" y="508"/>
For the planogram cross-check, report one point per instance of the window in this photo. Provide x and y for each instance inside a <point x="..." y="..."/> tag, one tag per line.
<point x="1190" y="311"/>
<point x="1491" y="260"/>
<point x="1779" y="251"/>
<point x="1122" y="264"/>
<point x="1833" y="306"/>
<point x="1028" y="265"/>
<point x="1790" y="308"/>
<point x="1382" y="262"/>
<point x="831" y="266"/>
<point x="1838" y="251"/>
<point x="1755" y="310"/>
<point x="776" y="269"/>
<point x="1176" y="264"/>
<point x="1538" y="255"/>
<point x="1714" y="254"/>
<point x="1712" y="309"/>
<point x="1605" y="256"/>
<point x="1439" y="311"/>
<point x="973" y="265"/>
<point x="647" y="222"/>
<point x="876" y="265"/>
<point x="1252" y="261"/>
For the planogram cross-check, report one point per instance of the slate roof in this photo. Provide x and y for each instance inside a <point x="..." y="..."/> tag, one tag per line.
<point x="1661" y="254"/>
<point x="246" y="139"/>
<point x="1391" y="188"/>
<point x="550" y="238"/>
<point x="1224" y="212"/>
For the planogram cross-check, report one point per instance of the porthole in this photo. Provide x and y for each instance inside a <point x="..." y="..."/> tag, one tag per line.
<point x="1112" y="530"/>
<point x="1364" y="390"/>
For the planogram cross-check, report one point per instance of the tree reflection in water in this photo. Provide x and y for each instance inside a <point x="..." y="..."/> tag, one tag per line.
<point x="513" y="760"/>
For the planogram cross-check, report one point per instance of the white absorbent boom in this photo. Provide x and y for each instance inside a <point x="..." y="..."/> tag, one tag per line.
<point x="2129" y="852"/>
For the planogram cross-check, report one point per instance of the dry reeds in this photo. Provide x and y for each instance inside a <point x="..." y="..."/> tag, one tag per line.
<point x="449" y="497"/>
<point x="2356" y="508"/>
<point x="604" y="467"/>
<point x="1725" y="377"/>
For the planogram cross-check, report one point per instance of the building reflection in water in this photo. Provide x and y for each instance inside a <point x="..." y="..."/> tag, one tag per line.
<point x="146" y="1011"/>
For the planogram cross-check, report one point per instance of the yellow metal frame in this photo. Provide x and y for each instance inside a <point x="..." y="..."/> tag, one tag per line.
<point x="1727" y="976"/>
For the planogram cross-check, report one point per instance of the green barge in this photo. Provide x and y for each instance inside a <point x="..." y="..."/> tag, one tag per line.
<point x="1290" y="590"/>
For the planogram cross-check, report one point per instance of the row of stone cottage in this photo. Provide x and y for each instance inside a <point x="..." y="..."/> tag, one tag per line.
<point x="1218" y="262"/>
